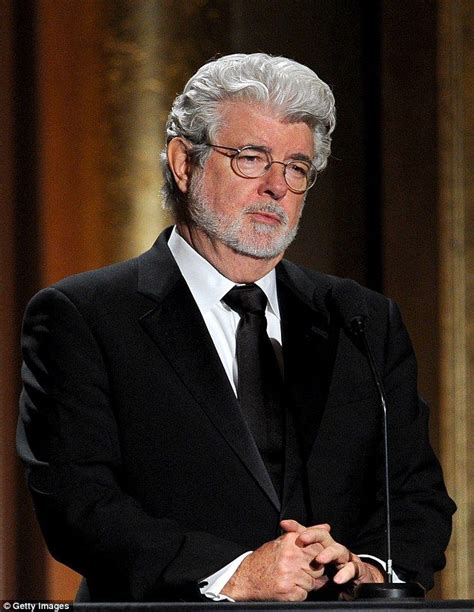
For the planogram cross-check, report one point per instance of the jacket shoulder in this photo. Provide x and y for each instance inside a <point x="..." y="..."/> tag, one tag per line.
<point x="329" y="287"/>
<point x="102" y="288"/>
<point x="100" y="284"/>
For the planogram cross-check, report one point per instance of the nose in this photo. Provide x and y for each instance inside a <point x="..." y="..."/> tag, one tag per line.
<point x="273" y="182"/>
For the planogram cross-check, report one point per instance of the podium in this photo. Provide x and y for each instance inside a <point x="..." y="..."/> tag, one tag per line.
<point x="341" y="606"/>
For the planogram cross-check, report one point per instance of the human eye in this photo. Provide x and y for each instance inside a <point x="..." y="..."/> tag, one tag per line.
<point x="297" y="168"/>
<point x="251" y="160"/>
<point x="252" y="155"/>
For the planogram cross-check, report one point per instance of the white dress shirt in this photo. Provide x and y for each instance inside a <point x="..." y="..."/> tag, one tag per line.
<point x="208" y="286"/>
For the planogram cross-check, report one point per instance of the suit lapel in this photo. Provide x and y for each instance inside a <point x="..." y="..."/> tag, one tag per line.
<point x="179" y="331"/>
<point x="308" y="349"/>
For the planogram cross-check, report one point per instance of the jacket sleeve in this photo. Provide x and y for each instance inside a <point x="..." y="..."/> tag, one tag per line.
<point x="421" y="509"/>
<point x="69" y="441"/>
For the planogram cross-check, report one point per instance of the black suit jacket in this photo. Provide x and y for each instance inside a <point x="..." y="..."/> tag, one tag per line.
<point x="144" y="475"/>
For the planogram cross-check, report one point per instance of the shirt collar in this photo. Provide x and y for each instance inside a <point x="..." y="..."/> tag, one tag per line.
<point x="207" y="285"/>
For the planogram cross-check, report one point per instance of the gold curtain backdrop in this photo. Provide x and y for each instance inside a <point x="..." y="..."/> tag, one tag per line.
<point x="85" y="88"/>
<point x="456" y="213"/>
<point x="144" y="69"/>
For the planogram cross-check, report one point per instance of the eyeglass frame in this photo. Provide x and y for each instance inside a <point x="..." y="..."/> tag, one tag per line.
<point x="238" y="151"/>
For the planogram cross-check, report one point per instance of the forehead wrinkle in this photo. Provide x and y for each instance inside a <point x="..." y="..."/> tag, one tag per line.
<point x="267" y="111"/>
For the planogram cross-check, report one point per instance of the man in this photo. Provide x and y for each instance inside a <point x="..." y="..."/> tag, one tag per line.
<point x="200" y="421"/>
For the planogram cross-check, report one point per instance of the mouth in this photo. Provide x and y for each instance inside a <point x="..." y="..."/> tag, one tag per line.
<point x="265" y="217"/>
<point x="268" y="216"/>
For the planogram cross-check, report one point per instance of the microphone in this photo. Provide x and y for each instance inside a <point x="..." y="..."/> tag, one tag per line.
<point x="352" y="309"/>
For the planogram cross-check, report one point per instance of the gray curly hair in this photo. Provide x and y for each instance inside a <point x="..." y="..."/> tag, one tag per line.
<point x="292" y="90"/>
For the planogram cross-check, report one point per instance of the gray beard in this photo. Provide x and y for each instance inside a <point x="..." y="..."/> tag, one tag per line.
<point x="262" y="241"/>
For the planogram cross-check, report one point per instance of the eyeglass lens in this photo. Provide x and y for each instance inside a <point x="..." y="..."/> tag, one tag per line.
<point x="255" y="162"/>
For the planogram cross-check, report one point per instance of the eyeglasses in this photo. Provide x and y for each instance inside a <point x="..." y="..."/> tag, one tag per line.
<point x="252" y="162"/>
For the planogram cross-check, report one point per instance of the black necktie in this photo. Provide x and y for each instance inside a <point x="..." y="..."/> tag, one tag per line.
<point x="259" y="378"/>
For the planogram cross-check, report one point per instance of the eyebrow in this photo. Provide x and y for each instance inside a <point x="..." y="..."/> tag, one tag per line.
<point x="297" y="156"/>
<point x="301" y="157"/>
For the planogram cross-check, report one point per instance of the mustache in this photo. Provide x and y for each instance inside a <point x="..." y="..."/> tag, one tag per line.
<point x="268" y="208"/>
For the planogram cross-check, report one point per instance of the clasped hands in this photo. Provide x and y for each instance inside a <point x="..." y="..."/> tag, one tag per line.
<point x="292" y="565"/>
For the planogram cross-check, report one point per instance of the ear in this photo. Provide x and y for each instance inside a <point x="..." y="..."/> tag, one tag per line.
<point x="178" y="160"/>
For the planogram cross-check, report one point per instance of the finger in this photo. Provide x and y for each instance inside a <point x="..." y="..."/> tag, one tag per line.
<point x="297" y="593"/>
<point x="320" y="582"/>
<point x="316" y="571"/>
<point x="311" y="580"/>
<point x="325" y="526"/>
<point x="291" y="526"/>
<point x="315" y="534"/>
<point x="335" y="553"/>
<point x="352" y="571"/>
<point x="312" y="551"/>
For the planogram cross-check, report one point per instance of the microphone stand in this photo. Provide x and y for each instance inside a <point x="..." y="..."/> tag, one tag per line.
<point x="388" y="589"/>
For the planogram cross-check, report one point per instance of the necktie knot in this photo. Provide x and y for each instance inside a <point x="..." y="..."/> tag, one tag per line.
<point x="246" y="299"/>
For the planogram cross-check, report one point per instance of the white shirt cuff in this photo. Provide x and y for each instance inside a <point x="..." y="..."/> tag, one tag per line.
<point x="212" y="586"/>
<point x="396" y="579"/>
